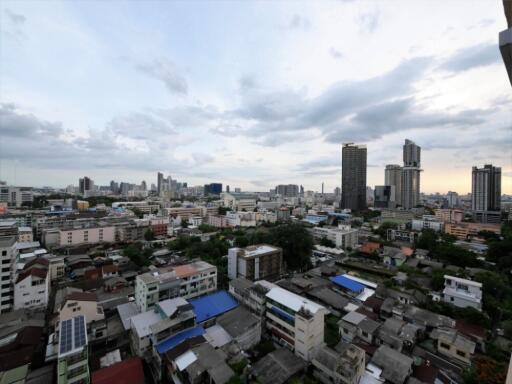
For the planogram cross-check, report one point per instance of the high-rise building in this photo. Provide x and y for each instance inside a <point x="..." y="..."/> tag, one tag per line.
<point x="384" y="196"/>
<point x="505" y="39"/>
<point x="114" y="187"/>
<point x="353" y="176"/>
<point x="85" y="184"/>
<point x="213" y="189"/>
<point x="159" y="182"/>
<point x="227" y="188"/>
<point x="8" y="257"/>
<point x="486" y="188"/>
<point x="453" y="199"/>
<point x="290" y="190"/>
<point x="410" y="193"/>
<point x="393" y="178"/>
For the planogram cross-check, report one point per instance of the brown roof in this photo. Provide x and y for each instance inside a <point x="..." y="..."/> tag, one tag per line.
<point x="370" y="247"/>
<point x="39" y="260"/>
<point x="109" y="268"/>
<point x="82" y="296"/>
<point x="374" y="303"/>
<point x="369" y="314"/>
<point x="36" y="272"/>
<point x="474" y="331"/>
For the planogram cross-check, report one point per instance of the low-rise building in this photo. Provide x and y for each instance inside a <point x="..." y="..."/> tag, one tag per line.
<point x="343" y="366"/>
<point x="344" y="236"/>
<point x="32" y="286"/>
<point x="255" y="262"/>
<point x="454" y="345"/>
<point x="395" y="367"/>
<point x="25" y="235"/>
<point x="427" y="222"/>
<point x="190" y="280"/>
<point x="239" y="201"/>
<point x="449" y="215"/>
<point x="295" y="322"/>
<point x="218" y="221"/>
<point x="242" y="326"/>
<point x="72" y="236"/>
<point x="462" y="292"/>
<point x="469" y="230"/>
<point x="73" y="364"/>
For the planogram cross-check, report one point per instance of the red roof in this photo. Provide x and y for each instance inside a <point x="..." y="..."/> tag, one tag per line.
<point x="128" y="371"/>
<point x="474" y="331"/>
<point x="36" y="272"/>
<point x="370" y="247"/>
<point x="109" y="268"/>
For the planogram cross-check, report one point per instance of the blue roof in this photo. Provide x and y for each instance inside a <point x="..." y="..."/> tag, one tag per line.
<point x="347" y="283"/>
<point x="179" y="338"/>
<point x="213" y="305"/>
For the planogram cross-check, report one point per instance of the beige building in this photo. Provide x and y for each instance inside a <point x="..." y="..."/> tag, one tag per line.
<point x="452" y="344"/>
<point x="345" y="366"/>
<point x="184" y="213"/>
<point x="450" y="215"/>
<point x="77" y="236"/>
<point x="25" y="235"/>
<point x="468" y="230"/>
<point x="255" y="262"/>
<point x="81" y="303"/>
<point x="295" y="322"/>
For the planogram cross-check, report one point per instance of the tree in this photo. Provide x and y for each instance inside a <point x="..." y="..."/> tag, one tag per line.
<point x="137" y="212"/>
<point x="149" y="235"/>
<point x="427" y="240"/>
<point x="296" y="242"/>
<point x="137" y="255"/>
<point x="327" y="242"/>
<point x="382" y="231"/>
<point x="223" y="210"/>
<point x="184" y="223"/>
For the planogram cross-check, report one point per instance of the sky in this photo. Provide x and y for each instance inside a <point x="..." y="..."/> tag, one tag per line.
<point x="250" y="93"/>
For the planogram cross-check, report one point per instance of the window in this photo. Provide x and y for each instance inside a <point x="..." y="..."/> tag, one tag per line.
<point x="4" y="253"/>
<point x="445" y="346"/>
<point x="461" y="353"/>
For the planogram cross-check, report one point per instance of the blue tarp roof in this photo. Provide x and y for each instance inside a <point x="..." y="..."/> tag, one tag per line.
<point x="179" y="338"/>
<point x="347" y="283"/>
<point x="213" y="305"/>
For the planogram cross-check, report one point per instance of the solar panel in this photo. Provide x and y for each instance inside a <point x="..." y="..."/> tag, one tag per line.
<point x="66" y="340"/>
<point x="72" y="334"/>
<point x="79" y="332"/>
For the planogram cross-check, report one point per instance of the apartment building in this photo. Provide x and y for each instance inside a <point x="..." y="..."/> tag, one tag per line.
<point x="468" y="230"/>
<point x="427" y="222"/>
<point x="73" y="364"/>
<point x="190" y="280"/>
<point x="218" y="221"/>
<point x="449" y="215"/>
<point x="184" y="213"/>
<point x="71" y="236"/>
<point x="462" y="292"/>
<point x="8" y="257"/>
<point x="25" y="235"/>
<point x="344" y="236"/>
<point x="142" y="206"/>
<point x="32" y="286"/>
<point x="295" y="322"/>
<point x="255" y="262"/>
<point x="16" y="196"/>
<point x="344" y="366"/>
<point x="239" y="201"/>
<point x="241" y="219"/>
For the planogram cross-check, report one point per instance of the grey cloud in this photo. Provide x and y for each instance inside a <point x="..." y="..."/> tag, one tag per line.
<point x="479" y="55"/>
<point x="15" y="18"/>
<point x="166" y="72"/>
<point x="299" y="22"/>
<point x="16" y="124"/>
<point x="140" y="126"/>
<point x="369" y="22"/>
<point x="335" y="53"/>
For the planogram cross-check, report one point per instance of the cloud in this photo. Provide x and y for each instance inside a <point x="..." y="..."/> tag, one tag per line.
<point x="140" y="126"/>
<point x="475" y="56"/>
<point x="299" y="22"/>
<point x="369" y="22"/>
<point x="335" y="53"/>
<point x="166" y="72"/>
<point x="15" y="18"/>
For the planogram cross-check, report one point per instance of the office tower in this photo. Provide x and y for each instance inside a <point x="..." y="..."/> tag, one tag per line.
<point x="393" y="177"/>
<point x="143" y="185"/>
<point x="159" y="182"/>
<point x="505" y="39"/>
<point x="227" y="188"/>
<point x="238" y="190"/>
<point x="213" y="189"/>
<point x="114" y="187"/>
<point x="384" y="196"/>
<point x="411" y="175"/>
<point x="486" y="188"/>
<point x="85" y="184"/>
<point x="289" y="190"/>
<point x="302" y="190"/>
<point x="452" y="199"/>
<point x="353" y="176"/>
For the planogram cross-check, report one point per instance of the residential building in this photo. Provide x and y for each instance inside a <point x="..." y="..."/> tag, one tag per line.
<point x="57" y="267"/>
<point x="353" y="178"/>
<point x="427" y="222"/>
<point x="218" y="221"/>
<point x="16" y="196"/>
<point x="239" y="201"/>
<point x="452" y="199"/>
<point x="25" y="235"/>
<point x="241" y="219"/>
<point x="384" y="196"/>
<point x="486" y="188"/>
<point x="393" y="178"/>
<point x="255" y="262"/>
<point x="411" y="175"/>
<point x="32" y="286"/>
<point x="343" y="236"/>
<point x="190" y="280"/>
<point x="454" y="345"/>
<point x="73" y="364"/>
<point x="449" y="215"/>
<point x="184" y="213"/>
<point x="8" y="258"/>
<point x="242" y="326"/>
<point x="93" y="234"/>
<point x="394" y="366"/>
<point x="469" y="230"/>
<point x="345" y="365"/>
<point x="142" y="206"/>
<point x="251" y="294"/>
<point x="462" y="292"/>
<point x="295" y="322"/>
<point x="290" y="190"/>
<point x="357" y="325"/>
<point x="81" y="303"/>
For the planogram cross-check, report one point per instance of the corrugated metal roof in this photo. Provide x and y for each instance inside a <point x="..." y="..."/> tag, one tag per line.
<point x="178" y="338"/>
<point x="347" y="283"/>
<point x="213" y="305"/>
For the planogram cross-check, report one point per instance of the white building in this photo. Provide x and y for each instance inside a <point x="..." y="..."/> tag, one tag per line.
<point x="190" y="280"/>
<point x="344" y="236"/>
<point x="16" y="196"/>
<point x="218" y="221"/>
<point x="295" y="322"/>
<point x="462" y="292"/>
<point x="32" y="286"/>
<point x="427" y="222"/>
<point x="239" y="201"/>
<point x="8" y="257"/>
<point x="241" y="219"/>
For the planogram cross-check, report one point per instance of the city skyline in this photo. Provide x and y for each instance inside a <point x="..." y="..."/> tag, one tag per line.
<point x="272" y="108"/>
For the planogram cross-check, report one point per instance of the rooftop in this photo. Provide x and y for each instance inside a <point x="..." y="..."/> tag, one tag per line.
<point x="463" y="281"/>
<point x="126" y="312"/>
<point x="128" y="371"/>
<point x="395" y="365"/>
<point x="348" y="283"/>
<point x="293" y="301"/>
<point x="277" y="367"/>
<point x="210" y="306"/>
<point x="237" y="321"/>
<point x="258" y="250"/>
<point x="178" y="338"/>
<point x="72" y="336"/>
<point x="143" y="321"/>
<point x="353" y="318"/>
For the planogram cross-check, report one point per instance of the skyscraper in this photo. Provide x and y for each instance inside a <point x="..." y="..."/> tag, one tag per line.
<point x="486" y="188"/>
<point x="393" y="178"/>
<point x="85" y="184"/>
<point x="411" y="175"/>
<point x="159" y="182"/>
<point x="353" y="176"/>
